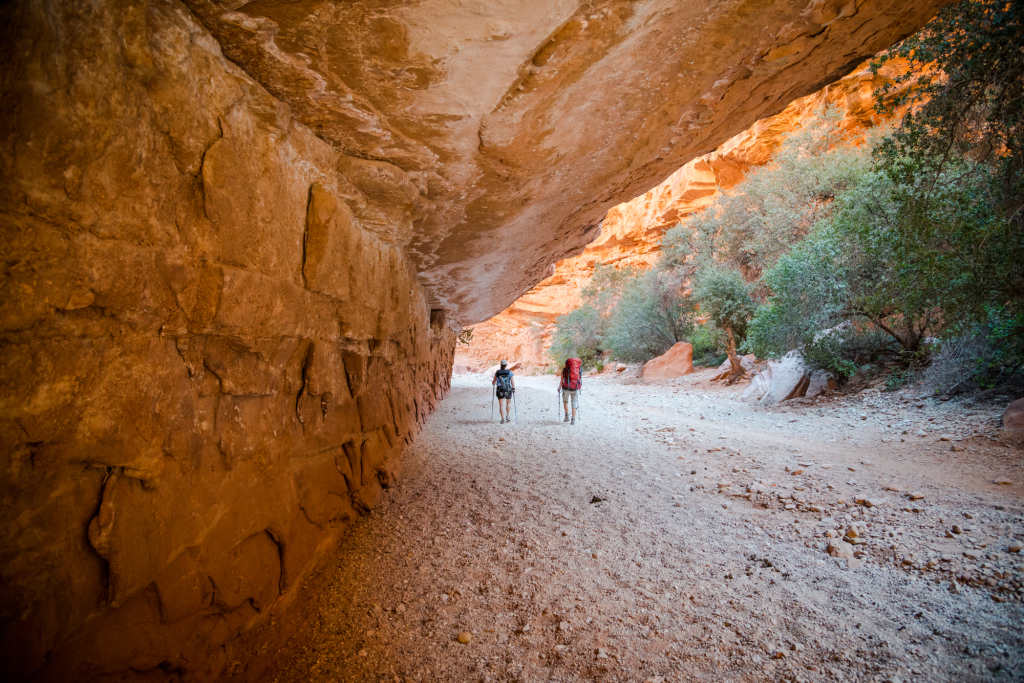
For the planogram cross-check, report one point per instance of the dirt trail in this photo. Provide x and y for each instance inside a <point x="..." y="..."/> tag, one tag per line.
<point x="497" y="531"/>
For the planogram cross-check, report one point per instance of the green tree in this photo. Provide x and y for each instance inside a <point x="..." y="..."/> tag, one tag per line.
<point x="724" y="297"/>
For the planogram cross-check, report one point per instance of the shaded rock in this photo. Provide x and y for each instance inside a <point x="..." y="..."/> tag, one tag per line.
<point x="675" y="362"/>
<point x="1013" y="416"/>
<point x="789" y="379"/>
<point x="819" y="382"/>
<point x="758" y="386"/>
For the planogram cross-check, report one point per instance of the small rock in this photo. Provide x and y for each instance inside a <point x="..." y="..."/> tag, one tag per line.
<point x="915" y="495"/>
<point x="465" y="637"/>
<point x="894" y="488"/>
<point x="956" y="530"/>
<point x="1003" y="481"/>
<point x="972" y="554"/>
<point x="602" y="653"/>
<point x="839" y="549"/>
<point x="872" y="502"/>
<point x="563" y="626"/>
<point x="796" y="472"/>
<point x="956" y="449"/>
<point x="655" y="679"/>
<point x="946" y="437"/>
<point x="1015" y="546"/>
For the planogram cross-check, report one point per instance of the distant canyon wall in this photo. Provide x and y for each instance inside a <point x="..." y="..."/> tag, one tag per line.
<point x="631" y="232"/>
<point x="214" y="349"/>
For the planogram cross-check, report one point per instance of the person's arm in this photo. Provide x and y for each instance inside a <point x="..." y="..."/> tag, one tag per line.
<point x="494" y="379"/>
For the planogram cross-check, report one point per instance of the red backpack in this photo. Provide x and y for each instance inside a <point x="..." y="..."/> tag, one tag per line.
<point x="572" y="374"/>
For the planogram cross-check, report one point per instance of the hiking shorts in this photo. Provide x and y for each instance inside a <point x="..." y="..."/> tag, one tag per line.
<point x="504" y="394"/>
<point x="574" y="393"/>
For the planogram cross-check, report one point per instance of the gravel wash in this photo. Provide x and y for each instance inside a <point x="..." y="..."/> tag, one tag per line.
<point x="673" y="534"/>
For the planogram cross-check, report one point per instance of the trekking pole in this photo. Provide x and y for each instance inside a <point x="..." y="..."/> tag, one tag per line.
<point x="515" y="405"/>
<point x="492" y="403"/>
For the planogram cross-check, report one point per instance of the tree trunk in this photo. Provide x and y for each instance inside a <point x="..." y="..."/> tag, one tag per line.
<point x="737" y="373"/>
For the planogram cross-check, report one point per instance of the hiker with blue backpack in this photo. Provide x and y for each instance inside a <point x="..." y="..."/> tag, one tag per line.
<point x="505" y="386"/>
<point x="570" y="386"/>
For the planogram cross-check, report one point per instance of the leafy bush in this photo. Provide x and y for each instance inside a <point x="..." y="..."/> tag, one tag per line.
<point x="708" y="345"/>
<point x="982" y="356"/>
<point x="650" y="315"/>
<point x="577" y="335"/>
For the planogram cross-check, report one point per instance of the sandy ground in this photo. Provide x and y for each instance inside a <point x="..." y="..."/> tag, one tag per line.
<point x="628" y="548"/>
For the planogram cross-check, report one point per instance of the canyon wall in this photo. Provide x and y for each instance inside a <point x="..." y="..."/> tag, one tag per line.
<point x="631" y="232"/>
<point x="237" y="237"/>
<point x="214" y="348"/>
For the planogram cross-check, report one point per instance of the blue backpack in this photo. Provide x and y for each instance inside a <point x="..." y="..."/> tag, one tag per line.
<point x="504" y="381"/>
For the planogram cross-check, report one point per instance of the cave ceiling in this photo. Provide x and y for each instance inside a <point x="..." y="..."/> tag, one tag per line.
<point x="521" y="122"/>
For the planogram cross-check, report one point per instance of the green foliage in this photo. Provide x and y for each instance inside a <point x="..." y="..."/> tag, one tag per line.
<point x="649" y="317"/>
<point x="967" y="67"/>
<point x="983" y="355"/>
<point x="724" y="297"/>
<point x="465" y="336"/>
<point x="577" y="335"/>
<point x="708" y="345"/>
<point x="775" y="207"/>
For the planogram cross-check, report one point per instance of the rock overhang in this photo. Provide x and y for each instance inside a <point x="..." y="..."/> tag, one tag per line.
<point x="521" y="123"/>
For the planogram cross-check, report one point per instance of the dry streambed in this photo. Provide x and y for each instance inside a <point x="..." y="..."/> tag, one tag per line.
<point x="676" y="534"/>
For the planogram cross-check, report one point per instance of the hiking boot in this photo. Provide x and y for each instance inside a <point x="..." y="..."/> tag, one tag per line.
<point x="573" y="421"/>
<point x="566" y="419"/>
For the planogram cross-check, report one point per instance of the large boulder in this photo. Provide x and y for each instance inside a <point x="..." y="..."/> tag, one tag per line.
<point x="819" y="382"/>
<point x="758" y="386"/>
<point x="746" y="362"/>
<point x="789" y="379"/>
<point x="1013" y="416"/>
<point x="675" y="362"/>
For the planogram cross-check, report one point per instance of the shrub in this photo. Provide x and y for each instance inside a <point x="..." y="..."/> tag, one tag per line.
<point x="650" y="315"/>
<point x="577" y="335"/>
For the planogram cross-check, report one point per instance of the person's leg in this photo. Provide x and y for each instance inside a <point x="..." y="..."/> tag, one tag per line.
<point x="501" y="409"/>
<point x="575" y="404"/>
<point x="565" y="404"/>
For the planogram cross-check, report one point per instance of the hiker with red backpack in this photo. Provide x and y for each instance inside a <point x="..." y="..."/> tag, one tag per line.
<point x="570" y="386"/>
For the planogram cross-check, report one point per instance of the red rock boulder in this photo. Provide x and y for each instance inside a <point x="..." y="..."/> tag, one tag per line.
<point x="1013" y="416"/>
<point x="675" y="362"/>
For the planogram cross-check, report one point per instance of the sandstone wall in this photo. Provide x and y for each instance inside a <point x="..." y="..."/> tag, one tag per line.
<point x="214" y="348"/>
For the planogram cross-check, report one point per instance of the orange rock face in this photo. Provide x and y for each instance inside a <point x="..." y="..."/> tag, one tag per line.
<point x="631" y="232"/>
<point x="213" y="352"/>
<point x="675" y="362"/>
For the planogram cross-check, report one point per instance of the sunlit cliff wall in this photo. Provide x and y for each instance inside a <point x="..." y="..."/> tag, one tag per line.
<point x="631" y="232"/>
